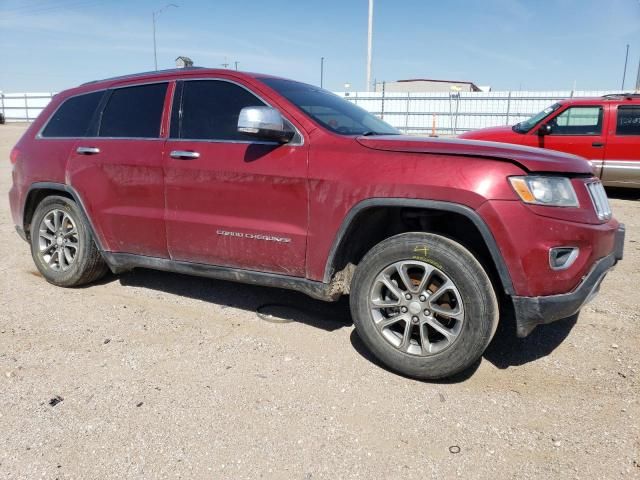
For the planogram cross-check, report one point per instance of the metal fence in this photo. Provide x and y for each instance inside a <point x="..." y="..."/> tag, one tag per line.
<point x="444" y="113"/>
<point x="23" y="107"/>
<point x="432" y="113"/>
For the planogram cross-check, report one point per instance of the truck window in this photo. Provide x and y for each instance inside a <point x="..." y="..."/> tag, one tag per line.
<point x="134" y="112"/>
<point x="628" y="122"/>
<point x="209" y="110"/>
<point x="73" y="117"/>
<point x="578" y="121"/>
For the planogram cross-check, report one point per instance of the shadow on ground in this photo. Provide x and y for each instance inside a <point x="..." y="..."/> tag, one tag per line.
<point x="291" y="305"/>
<point x="505" y="350"/>
<point x="623" y="193"/>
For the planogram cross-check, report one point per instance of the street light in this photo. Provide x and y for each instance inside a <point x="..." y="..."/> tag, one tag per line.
<point x="154" y="15"/>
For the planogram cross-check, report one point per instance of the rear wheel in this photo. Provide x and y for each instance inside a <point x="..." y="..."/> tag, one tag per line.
<point x="423" y="305"/>
<point x="62" y="246"/>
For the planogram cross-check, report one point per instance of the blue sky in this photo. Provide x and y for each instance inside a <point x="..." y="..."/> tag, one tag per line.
<point x="508" y="44"/>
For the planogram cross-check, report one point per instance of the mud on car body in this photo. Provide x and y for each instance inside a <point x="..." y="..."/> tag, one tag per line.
<point x="268" y="181"/>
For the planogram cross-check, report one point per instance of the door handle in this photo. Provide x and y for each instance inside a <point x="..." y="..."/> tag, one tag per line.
<point x="597" y="144"/>
<point x="87" y="150"/>
<point x="184" y="155"/>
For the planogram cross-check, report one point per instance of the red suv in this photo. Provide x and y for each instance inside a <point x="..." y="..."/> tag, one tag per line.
<point x="263" y="180"/>
<point x="604" y="130"/>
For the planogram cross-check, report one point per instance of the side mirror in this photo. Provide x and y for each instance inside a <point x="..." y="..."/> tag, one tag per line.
<point x="545" y="129"/>
<point x="265" y="123"/>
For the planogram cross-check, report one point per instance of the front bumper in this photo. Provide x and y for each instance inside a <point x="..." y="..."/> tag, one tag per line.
<point x="533" y="311"/>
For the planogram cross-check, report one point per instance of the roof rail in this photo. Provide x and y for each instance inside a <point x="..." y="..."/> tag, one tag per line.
<point x="142" y="74"/>
<point x="628" y="96"/>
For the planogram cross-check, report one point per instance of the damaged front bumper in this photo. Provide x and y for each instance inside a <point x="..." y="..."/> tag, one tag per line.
<point x="533" y="311"/>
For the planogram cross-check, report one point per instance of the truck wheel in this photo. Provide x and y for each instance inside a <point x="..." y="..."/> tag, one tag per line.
<point x="423" y="305"/>
<point x="62" y="246"/>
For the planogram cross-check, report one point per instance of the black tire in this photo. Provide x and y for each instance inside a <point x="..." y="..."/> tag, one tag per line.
<point x="480" y="309"/>
<point x="87" y="265"/>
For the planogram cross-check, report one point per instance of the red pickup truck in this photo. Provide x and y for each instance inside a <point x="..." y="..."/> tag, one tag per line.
<point x="257" y="179"/>
<point x="604" y="130"/>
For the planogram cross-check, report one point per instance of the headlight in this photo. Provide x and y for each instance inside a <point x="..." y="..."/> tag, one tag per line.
<point x="541" y="190"/>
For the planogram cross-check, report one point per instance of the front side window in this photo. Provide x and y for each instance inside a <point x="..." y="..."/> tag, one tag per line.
<point x="209" y="110"/>
<point x="73" y="117"/>
<point x="134" y="112"/>
<point x="330" y="111"/>
<point x="526" y="125"/>
<point x="628" y="122"/>
<point x="578" y="121"/>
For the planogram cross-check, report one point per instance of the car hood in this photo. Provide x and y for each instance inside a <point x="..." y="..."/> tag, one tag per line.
<point x="531" y="159"/>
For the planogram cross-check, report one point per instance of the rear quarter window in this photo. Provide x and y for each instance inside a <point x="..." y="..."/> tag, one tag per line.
<point x="628" y="122"/>
<point x="73" y="117"/>
<point x="134" y="112"/>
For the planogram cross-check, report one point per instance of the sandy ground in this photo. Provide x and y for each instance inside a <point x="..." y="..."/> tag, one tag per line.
<point x="165" y="376"/>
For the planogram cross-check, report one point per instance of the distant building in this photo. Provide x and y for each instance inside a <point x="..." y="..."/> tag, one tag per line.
<point x="429" y="85"/>
<point x="184" y="62"/>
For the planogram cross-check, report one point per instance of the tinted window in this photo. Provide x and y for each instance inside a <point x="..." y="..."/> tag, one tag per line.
<point x="628" y="121"/>
<point x="578" y="121"/>
<point x="73" y="117"/>
<point x="329" y="110"/>
<point x="210" y="110"/>
<point x="134" y="112"/>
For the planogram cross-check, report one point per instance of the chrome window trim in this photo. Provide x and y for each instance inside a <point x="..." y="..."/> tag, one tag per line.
<point x="252" y="142"/>
<point x="299" y="143"/>
<point x="39" y="134"/>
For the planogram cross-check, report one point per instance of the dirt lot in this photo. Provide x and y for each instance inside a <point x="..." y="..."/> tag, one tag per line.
<point x="164" y="375"/>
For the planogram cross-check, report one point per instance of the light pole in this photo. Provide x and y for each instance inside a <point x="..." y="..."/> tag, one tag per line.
<point x="154" y="15"/>
<point x="624" y="73"/>
<point x="369" y="45"/>
<point x="321" y="72"/>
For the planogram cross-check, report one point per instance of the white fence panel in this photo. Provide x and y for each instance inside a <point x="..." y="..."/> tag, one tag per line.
<point x="23" y="107"/>
<point x="444" y="113"/>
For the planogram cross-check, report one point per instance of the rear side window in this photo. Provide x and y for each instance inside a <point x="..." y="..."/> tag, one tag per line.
<point x="628" y="122"/>
<point x="73" y="117"/>
<point x="578" y="121"/>
<point x="134" y="112"/>
<point x="210" y="110"/>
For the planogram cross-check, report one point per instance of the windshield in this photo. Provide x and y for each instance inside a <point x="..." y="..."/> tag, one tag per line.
<point x="525" y="126"/>
<point x="330" y="111"/>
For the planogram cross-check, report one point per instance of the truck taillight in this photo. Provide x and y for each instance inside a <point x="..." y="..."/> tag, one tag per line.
<point x="13" y="156"/>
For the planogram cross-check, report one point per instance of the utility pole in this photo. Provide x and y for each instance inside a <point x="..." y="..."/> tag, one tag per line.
<point x="624" y="74"/>
<point x="638" y="79"/>
<point x="236" y="63"/>
<point x="225" y="64"/>
<point x="155" y="15"/>
<point x="369" y="45"/>
<point x="321" y="72"/>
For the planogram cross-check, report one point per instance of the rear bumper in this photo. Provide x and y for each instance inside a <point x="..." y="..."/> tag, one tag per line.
<point x="533" y="311"/>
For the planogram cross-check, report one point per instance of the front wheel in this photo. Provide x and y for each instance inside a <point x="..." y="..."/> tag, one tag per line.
<point x="423" y="305"/>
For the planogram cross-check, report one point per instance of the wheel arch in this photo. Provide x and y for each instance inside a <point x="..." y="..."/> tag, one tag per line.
<point x="360" y="223"/>
<point x="40" y="190"/>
